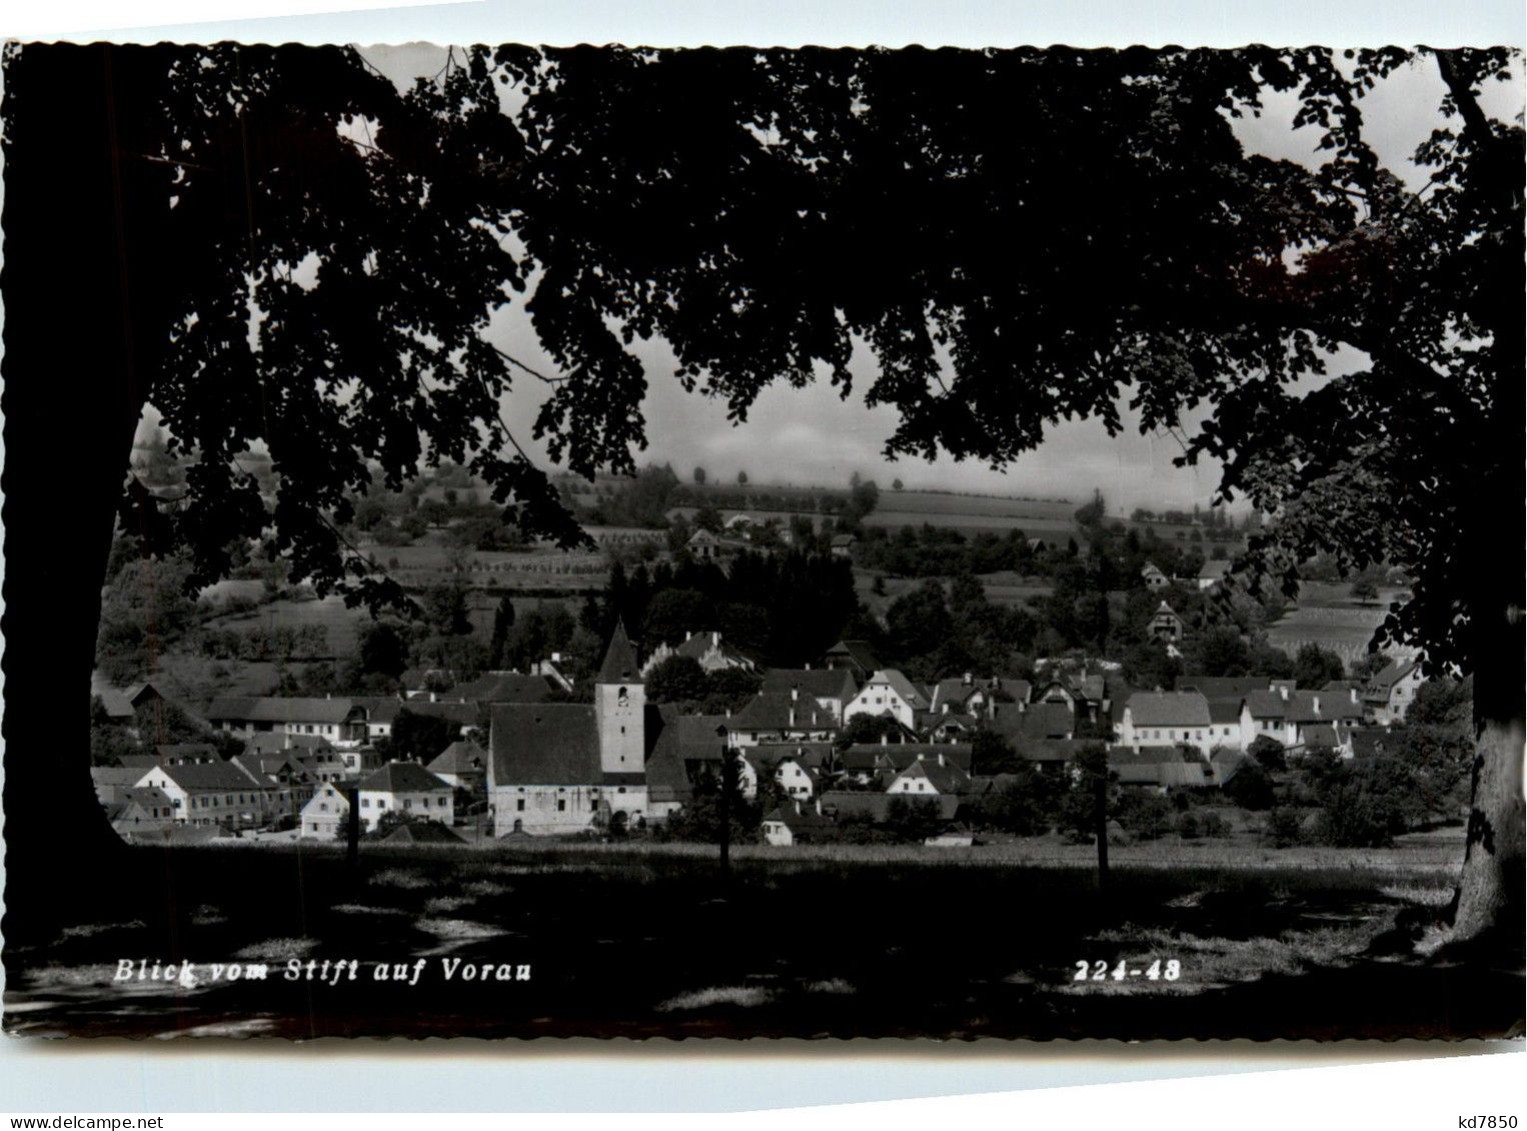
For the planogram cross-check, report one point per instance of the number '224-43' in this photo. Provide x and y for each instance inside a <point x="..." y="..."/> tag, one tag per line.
<point x="1171" y="970"/>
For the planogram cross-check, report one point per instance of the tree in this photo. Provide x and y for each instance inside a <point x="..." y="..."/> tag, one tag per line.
<point x="419" y="738"/>
<point x="1226" y="279"/>
<point x="742" y="478"/>
<point x="678" y="679"/>
<point x="503" y="623"/>
<point x="1365" y="591"/>
<point x="382" y="650"/>
<point x="699" y="477"/>
<point x="896" y="485"/>
<point x="1314" y="667"/>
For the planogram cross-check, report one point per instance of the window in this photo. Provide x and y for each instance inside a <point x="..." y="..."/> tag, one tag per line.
<point x="440" y="802"/>
<point x="519" y="805"/>
<point x="561" y="804"/>
<point x="381" y="803"/>
<point x="365" y="803"/>
<point x="323" y="806"/>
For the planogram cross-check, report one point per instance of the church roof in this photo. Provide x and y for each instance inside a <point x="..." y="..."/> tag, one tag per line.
<point x="545" y="744"/>
<point x="620" y="664"/>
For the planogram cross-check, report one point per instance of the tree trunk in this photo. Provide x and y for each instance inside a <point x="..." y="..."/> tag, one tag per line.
<point x="79" y="291"/>
<point x="1489" y="904"/>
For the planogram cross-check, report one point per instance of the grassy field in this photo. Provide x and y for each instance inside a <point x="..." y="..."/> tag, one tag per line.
<point x="1327" y="615"/>
<point x="625" y="940"/>
<point x="1005" y="588"/>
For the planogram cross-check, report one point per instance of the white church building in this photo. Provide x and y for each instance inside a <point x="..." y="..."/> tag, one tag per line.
<point x="557" y="768"/>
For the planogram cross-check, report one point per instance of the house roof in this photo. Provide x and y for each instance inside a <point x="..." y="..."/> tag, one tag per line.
<point x="1330" y="735"/>
<point x="810" y="755"/>
<point x="900" y="684"/>
<point x="186" y="752"/>
<point x="768" y="711"/>
<point x="819" y="683"/>
<point x="1368" y="742"/>
<point x="863" y="756"/>
<point x="801" y="819"/>
<point x="1164" y="609"/>
<point x="1213" y="570"/>
<point x="402" y="777"/>
<point x="421" y="832"/>
<point x="1168" y="709"/>
<point x="1225" y="708"/>
<point x="842" y="803"/>
<point x="620" y="664"/>
<point x="117" y="777"/>
<point x="1223" y="686"/>
<point x="1042" y="720"/>
<point x="280" y="709"/>
<point x="145" y="795"/>
<point x="460" y="757"/>
<point x="504" y="687"/>
<point x="945" y="778"/>
<point x="679" y="745"/>
<point x="1151" y="569"/>
<point x="269" y="742"/>
<point x="858" y="652"/>
<point x="206" y="777"/>
<point x="116" y="704"/>
<point x="388" y="710"/>
<point x="1382" y="681"/>
<point x="1302" y="706"/>
<point x="839" y="540"/>
<point x="545" y="744"/>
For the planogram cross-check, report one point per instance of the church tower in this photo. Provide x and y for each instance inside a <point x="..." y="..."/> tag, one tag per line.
<point x="620" y="702"/>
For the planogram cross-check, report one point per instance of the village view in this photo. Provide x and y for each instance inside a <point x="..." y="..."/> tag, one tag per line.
<point x="850" y="665"/>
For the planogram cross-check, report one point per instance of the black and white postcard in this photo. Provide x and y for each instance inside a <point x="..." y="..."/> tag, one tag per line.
<point x="610" y="541"/>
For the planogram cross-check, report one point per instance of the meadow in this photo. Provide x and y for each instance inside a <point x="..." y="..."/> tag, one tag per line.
<point x="644" y="940"/>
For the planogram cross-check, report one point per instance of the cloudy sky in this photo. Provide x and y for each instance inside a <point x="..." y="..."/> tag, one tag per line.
<point x="815" y="436"/>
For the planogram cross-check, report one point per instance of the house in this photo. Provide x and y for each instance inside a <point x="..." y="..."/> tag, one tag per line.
<point x="1151" y="574"/>
<point x="1160" y="769"/>
<point x="866" y="760"/>
<point x="858" y="656"/>
<point x="796" y="823"/>
<point x="1212" y="574"/>
<point x="1284" y="712"/>
<point x="405" y="787"/>
<point x="461" y="765"/>
<point x="788" y="717"/>
<point x="797" y="768"/>
<point x="288" y="784"/>
<point x="113" y="782"/>
<point x="1165" y="625"/>
<point x="1166" y="719"/>
<point x="340" y="721"/>
<point x="326" y="814"/>
<point x="1084" y="694"/>
<point x="1392" y="689"/>
<point x="705" y="546"/>
<point x="564" y="767"/>
<point x="842" y="804"/>
<point x="930" y="774"/>
<point x="1038" y="722"/>
<point x="498" y="687"/>
<point x="142" y="810"/>
<point x="1225" y="720"/>
<point x="1336" y="737"/>
<point x="842" y="545"/>
<point x="378" y="715"/>
<point x="888" y="692"/>
<point x="832" y="688"/>
<point x="216" y="793"/>
<point x="707" y="649"/>
<point x="684" y="748"/>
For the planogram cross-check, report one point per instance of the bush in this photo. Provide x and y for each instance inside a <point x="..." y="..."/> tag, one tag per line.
<point x="1146" y="816"/>
<point x="1284" y="827"/>
<point x="1251" y="787"/>
<point x="1188" y="826"/>
<point x="1212" y="824"/>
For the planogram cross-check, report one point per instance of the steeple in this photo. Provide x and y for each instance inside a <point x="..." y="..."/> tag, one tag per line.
<point x="620" y="664"/>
